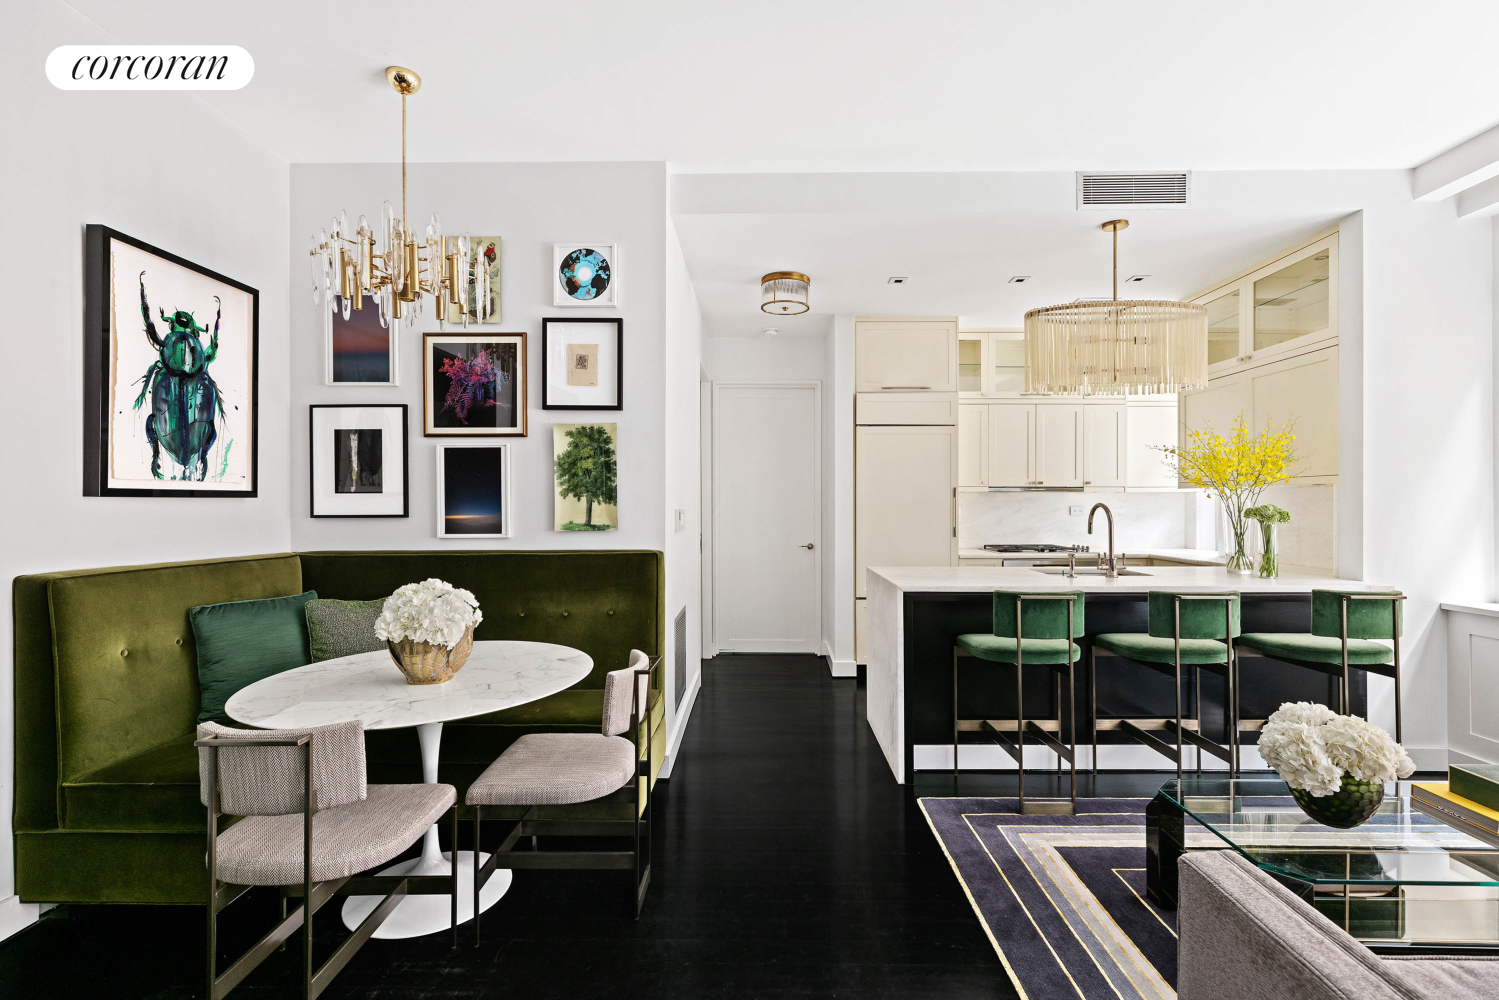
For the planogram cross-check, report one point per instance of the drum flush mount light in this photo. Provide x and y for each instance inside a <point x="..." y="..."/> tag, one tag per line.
<point x="1115" y="346"/>
<point x="784" y="293"/>
<point x="398" y="269"/>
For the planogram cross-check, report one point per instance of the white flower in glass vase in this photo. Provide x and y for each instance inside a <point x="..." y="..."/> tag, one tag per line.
<point x="1312" y="747"/>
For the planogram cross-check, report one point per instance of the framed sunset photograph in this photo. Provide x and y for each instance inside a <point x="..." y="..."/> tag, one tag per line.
<point x="359" y="351"/>
<point x="474" y="384"/>
<point x="473" y="491"/>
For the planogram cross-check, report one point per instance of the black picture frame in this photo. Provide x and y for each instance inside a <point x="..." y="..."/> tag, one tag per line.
<point x="312" y="470"/>
<point x="97" y="356"/>
<point x="547" y="369"/>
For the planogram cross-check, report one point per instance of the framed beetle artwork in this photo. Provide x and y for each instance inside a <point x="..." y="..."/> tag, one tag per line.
<point x="171" y="374"/>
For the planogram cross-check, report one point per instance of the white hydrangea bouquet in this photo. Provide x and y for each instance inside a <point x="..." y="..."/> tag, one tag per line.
<point x="1336" y="765"/>
<point x="429" y="629"/>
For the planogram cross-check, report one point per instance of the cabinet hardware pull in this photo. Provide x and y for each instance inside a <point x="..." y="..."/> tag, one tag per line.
<point x="905" y="387"/>
<point x="807" y="546"/>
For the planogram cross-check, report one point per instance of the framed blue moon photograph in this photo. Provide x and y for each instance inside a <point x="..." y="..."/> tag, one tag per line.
<point x="585" y="274"/>
<point x="473" y="491"/>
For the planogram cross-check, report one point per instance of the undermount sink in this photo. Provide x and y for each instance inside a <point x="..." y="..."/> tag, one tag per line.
<point x="1084" y="571"/>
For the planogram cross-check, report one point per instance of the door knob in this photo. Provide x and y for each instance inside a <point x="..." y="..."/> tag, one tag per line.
<point x="807" y="546"/>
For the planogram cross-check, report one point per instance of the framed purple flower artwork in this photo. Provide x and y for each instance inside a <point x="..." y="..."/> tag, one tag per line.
<point x="474" y="384"/>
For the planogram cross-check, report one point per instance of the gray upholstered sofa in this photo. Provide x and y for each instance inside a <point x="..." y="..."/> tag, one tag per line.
<point x="1246" y="937"/>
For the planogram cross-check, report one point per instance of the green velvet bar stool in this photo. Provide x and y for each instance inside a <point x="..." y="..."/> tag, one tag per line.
<point x="1346" y="625"/>
<point x="1047" y="625"/>
<point x="1185" y="630"/>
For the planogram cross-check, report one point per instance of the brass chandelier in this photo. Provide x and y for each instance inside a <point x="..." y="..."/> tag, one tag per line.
<point x="397" y="269"/>
<point x="1111" y="346"/>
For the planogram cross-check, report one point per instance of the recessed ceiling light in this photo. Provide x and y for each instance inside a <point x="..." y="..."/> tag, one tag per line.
<point x="895" y="281"/>
<point x="770" y="333"/>
<point x="1136" y="278"/>
<point x="1020" y="279"/>
<point x="1320" y="257"/>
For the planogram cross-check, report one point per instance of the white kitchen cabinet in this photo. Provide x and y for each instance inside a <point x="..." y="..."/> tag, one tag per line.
<point x="906" y="408"/>
<point x="1104" y="445"/>
<point x="1149" y="428"/>
<point x="991" y="363"/>
<point x="906" y="355"/>
<point x="973" y="445"/>
<point x="1059" y="444"/>
<point x="1011" y="444"/>
<point x="905" y="498"/>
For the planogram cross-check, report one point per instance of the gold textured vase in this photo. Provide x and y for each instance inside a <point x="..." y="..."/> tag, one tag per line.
<point x="425" y="663"/>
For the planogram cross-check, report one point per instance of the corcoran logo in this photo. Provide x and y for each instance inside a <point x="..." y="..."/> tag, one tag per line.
<point x="150" y="67"/>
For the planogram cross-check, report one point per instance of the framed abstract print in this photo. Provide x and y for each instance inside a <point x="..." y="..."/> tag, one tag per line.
<point x="171" y="374"/>
<point x="585" y="274"/>
<point x="474" y="384"/>
<point x="582" y="364"/>
<point x="359" y="461"/>
<point x="473" y="490"/>
<point x="358" y="350"/>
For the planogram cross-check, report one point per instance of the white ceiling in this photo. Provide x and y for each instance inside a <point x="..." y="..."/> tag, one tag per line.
<point x="873" y="85"/>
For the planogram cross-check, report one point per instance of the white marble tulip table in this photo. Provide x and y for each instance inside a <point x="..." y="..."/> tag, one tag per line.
<point x="369" y="688"/>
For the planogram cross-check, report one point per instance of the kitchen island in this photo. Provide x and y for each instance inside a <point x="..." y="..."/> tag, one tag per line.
<point x="915" y="613"/>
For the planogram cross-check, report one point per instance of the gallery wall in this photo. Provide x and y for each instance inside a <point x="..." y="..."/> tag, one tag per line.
<point x="529" y="206"/>
<point x="166" y="169"/>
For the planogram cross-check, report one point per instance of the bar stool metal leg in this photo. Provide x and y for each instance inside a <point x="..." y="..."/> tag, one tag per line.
<point x="1093" y="711"/>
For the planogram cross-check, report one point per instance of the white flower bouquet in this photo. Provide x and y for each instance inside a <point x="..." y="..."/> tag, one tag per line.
<point x="433" y="611"/>
<point x="1312" y="747"/>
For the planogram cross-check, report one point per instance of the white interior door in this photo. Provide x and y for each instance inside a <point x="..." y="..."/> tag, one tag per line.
<point x="766" y="545"/>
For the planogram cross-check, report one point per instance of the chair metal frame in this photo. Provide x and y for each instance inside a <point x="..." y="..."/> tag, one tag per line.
<point x="637" y="860"/>
<point x="1038" y="727"/>
<point x="1340" y="671"/>
<point x="394" y="888"/>
<point x="1185" y="730"/>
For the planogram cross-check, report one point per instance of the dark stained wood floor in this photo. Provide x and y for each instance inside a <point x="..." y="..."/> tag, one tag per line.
<point x="788" y="864"/>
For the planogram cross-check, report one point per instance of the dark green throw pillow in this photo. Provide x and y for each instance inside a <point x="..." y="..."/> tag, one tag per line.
<point x="243" y="641"/>
<point x="342" y="628"/>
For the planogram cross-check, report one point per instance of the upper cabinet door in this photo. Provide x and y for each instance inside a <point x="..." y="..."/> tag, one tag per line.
<point x="973" y="444"/>
<point x="906" y="356"/>
<point x="1103" y="445"/>
<point x="1303" y="391"/>
<point x="971" y="363"/>
<point x="1149" y="429"/>
<point x="1012" y="435"/>
<point x="1059" y="444"/>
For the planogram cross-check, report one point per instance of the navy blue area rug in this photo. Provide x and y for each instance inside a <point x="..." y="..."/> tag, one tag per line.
<point x="1062" y="898"/>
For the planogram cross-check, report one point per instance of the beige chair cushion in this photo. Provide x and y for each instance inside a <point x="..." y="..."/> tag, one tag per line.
<point x="618" y="705"/>
<point x="271" y="781"/>
<point x="1443" y="977"/>
<point x="346" y="840"/>
<point x="555" y="769"/>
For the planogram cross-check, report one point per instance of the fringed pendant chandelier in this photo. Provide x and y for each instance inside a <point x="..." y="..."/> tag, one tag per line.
<point x="1111" y="346"/>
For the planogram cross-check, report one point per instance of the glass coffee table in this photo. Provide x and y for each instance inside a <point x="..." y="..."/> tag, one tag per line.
<point x="1401" y="880"/>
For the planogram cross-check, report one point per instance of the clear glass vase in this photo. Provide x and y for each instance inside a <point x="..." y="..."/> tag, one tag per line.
<point x="1269" y="555"/>
<point x="1239" y="560"/>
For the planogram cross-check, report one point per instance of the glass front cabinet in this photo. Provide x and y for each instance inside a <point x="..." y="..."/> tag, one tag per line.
<point x="1279" y="308"/>
<point x="991" y="362"/>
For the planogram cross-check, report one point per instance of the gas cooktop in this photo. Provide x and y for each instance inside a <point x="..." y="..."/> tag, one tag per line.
<point x="1036" y="548"/>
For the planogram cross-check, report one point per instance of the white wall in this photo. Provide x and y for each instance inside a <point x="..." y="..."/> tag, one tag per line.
<point x="529" y="206"/>
<point x="167" y="169"/>
<point x="684" y="357"/>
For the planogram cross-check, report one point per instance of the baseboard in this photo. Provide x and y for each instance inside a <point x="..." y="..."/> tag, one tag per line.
<point x="683" y="716"/>
<point x="837" y="667"/>
<point x="16" y="916"/>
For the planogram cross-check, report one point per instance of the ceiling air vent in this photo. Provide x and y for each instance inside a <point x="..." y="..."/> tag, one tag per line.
<point x="1134" y="190"/>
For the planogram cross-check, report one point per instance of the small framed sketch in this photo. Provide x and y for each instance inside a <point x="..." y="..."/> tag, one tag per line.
<point x="585" y="274"/>
<point x="359" y="463"/>
<point x="483" y="253"/>
<point x="581" y="364"/>
<point x="474" y="384"/>
<point x="473" y="491"/>
<point x="357" y="349"/>
<point x="585" y="465"/>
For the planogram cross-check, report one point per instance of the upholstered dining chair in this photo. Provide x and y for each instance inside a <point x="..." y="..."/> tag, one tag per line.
<point x="1029" y="630"/>
<point x="308" y="824"/>
<point x="577" y="784"/>
<point x="1183" y="630"/>
<point x="1345" y="628"/>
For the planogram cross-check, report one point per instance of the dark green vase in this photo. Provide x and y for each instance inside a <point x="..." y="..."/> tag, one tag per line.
<point x="1346" y="808"/>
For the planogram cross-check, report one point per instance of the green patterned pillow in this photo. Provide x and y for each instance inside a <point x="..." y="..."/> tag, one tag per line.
<point x="342" y="628"/>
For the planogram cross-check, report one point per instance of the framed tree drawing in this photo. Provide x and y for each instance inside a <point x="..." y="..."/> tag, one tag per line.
<point x="171" y="374"/>
<point x="585" y="274"/>
<point x="474" y="384"/>
<point x="585" y="466"/>
<point x="473" y="490"/>
<point x="359" y="463"/>
<point x="582" y="364"/>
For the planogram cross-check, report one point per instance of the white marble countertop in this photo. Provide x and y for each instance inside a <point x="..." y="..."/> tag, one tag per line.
<point x="1193" y="557"/>
<point x="975" y="579"/>
<point x="369" y="687"/>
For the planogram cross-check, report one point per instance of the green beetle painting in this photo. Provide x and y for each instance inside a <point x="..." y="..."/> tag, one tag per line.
<point x="185" y="403"/>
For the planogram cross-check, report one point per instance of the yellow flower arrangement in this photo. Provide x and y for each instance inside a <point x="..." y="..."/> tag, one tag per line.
<point x="1236" y="469"/>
